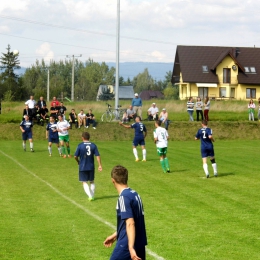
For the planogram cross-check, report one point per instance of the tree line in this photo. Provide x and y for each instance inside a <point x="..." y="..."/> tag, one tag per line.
<point x="88" y="76"/>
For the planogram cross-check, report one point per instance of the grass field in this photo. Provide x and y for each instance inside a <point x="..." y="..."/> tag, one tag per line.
<point x="45" y="213"/>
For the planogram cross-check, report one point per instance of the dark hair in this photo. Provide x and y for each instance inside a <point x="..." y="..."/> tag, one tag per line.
<point x="138" y="117"/>
<point x="158" y="122"/>
<point x="204" y="122"/>
<point x="86" y="135"/>
<point x="120" y="174"/>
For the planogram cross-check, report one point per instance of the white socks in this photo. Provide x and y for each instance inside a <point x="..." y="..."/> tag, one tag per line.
<point x="144" y="154"/>
<point x="92" y="189"/>
<point x="135" y="153"/>
<point x="214" y="166"/>
<point x="86" y="189"/>
<point x="205" y="167"/>
<point x="31" y="145"/>
<point x="49" y="149"/>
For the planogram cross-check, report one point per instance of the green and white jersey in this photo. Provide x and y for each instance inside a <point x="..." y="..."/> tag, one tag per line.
<point x="63" y="125"/>
<point x="162" y="135"/>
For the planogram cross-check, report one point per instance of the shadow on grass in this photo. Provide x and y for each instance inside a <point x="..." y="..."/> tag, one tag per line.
<point x="106" y="197"/>
<point x="226" y="174"/>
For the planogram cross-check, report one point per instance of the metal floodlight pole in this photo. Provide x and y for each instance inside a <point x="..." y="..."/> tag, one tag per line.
<point x="72" y="75"/>
<point x="117" y="55"/>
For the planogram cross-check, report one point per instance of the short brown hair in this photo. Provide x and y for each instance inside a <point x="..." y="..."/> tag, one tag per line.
<point x="120" y="174"/>
<point x="85" y="135"/>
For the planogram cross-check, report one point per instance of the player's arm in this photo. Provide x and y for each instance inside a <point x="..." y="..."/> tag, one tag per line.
<point x="22" y="129"/>
<point x="76" y="158"/>
<point x="211" y="138"/>
<point x="99" y="163"/>
<point x="110" y="240"/>
<point x="130" y="230"/>
<point x="47" y="134"/>
<point x="126" y="126"/>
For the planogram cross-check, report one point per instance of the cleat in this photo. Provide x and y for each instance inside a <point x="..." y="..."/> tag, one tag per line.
<point x="64" y="156"/>
<point x="168" y="170"/>
<point x="79" y="127"/>
<point x="91" y="199"/>
<point x="69" y="156"/>
<point x="60" y="154"/>
<point x="50" y="154"/>
<point x="32" y="150"/>
<point x="215" y="174"/>
<point x="24" y="149"/>
<point x="86" y="126"/>
<point x="137" y="160"/>
<point x="143" y="160"/>
<point x="94" y="127"/>
<point x="207" y="176"/>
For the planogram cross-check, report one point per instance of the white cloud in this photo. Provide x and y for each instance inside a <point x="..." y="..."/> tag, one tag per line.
<point x="45" y="52"/>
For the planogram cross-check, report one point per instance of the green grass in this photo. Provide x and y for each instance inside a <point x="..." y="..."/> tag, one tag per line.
<point x="45" y="213"/>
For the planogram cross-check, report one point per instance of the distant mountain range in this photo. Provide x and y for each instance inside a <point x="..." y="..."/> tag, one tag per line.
<point x="127" y="70"/>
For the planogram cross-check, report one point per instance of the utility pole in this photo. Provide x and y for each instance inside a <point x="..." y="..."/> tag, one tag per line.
<point x="72" y="75"/>
<point x="48" y="85"/>
<point x="117" y="55"/>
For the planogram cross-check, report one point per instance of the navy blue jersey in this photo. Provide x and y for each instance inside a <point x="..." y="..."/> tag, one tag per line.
<point x="139" y="129"/>
<point x="50" y="127"/>
<point x="129" y="205"/>
<point x="26" y="126"/>
<point x="203" y="134"/>
<point x="86" y="151"/>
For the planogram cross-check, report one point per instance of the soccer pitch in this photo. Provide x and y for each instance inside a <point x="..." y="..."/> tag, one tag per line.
<point x="45" y="213"/>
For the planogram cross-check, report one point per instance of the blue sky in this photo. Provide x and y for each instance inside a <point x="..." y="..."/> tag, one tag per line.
<point x="149" y="30"/>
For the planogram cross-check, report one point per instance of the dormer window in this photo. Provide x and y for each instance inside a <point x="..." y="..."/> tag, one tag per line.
<point x="205" y="69"/>
<point x="250" y="69"/>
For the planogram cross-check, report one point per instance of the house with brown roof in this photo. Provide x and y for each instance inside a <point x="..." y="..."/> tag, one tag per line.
<point x="217" y="72"/>
<point x="151" y="94"/>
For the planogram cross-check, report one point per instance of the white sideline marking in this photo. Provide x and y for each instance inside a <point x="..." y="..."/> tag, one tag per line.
<point x="151" y="253"/>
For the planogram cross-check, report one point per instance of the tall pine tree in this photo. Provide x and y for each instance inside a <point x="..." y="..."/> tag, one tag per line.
<point x="8" y="63"/>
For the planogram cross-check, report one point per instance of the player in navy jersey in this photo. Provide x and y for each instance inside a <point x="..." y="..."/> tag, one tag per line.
<point x="207" y="150"/>
<point x="26" y="128"/>
<point x="84" y="156"/>
<point x="131" y="234"/>
<point x="140" y="134"/>
<point x="52" y="135"/>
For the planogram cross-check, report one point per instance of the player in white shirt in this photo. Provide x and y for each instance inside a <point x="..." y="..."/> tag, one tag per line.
<point x="62" y="127"/>
<point x="161" y="137"/>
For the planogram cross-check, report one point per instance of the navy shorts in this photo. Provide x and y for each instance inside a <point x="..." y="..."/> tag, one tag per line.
<point x="207" y="152"/>
<point x="26" y="136"/>
<point x="86" y="175"/>
<point x="54" y="140"/>
<point x="138" y="141"/>
<point x="122" y="253"/>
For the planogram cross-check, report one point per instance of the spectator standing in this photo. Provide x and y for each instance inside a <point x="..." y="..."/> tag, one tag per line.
<point x="163" y="117"/>
<point x="31" y="104"/>
<point x="153" y="112"/>
<point x="207" y="150"/>
<point x="161" y="137"/>
<point x="251" y="110"/>
<point x="137" y="105"/>
<point x="206" y="108"/>
<point x="55" y="101"/>
<point x="84" y="156"/>
<point x="198" y="106"/>
<point x="131" y="233"/>
<point x="190" y="108"/>
<point x="41" y="102"/>
<point x="27" y="134"/>
<point x="90" y="119"/>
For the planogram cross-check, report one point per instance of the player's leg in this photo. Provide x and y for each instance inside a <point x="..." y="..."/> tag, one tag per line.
<point x="59" y="148"/>
<point x="62" y="146"/>
<point x="92" y="185"/>
<point x="135" y="151"/>
<point x="143" y="152"/>
<point x="31" y="141"/>
<point x="50" y="148"/>
<point x="160" y="153"/>
<point x="166" y="162"/>
<point x="205" y="166"/>
<point x="67" y="141"/>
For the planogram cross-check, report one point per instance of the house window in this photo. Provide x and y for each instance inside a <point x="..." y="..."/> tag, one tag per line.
<point x="226" y="75"/>
<point x="205" y="69"/>
<point x="222" y="92"/>
<point x="250" y="69"/>
<point x="250" y="93"/>
<point x="202" y="92"/>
